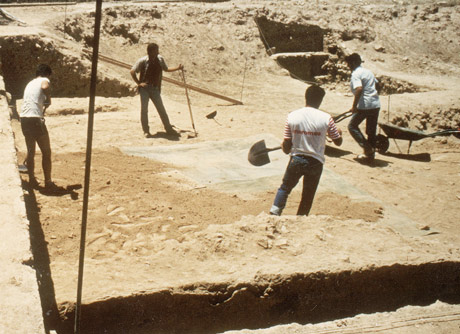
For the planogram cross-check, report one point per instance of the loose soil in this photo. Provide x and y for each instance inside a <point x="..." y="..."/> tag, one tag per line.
<point x="152" y="228"/>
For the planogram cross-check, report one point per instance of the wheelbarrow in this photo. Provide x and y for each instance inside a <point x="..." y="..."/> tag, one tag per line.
<point x="397" y="132"/>
<point x="258" y="154"/>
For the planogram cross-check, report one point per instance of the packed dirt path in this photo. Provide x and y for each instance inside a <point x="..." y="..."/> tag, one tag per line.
<point x="195" y="215"/>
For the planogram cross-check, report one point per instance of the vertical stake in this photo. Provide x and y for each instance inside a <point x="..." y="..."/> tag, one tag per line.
<point x="89" y="142"/>
<point x="188" y="100"/>
<point x="388" y="115"/>
<point x="244" y="76"/>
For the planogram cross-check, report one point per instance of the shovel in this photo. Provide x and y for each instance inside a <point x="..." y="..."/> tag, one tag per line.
<point x="258" y="154"/>
<point x="212" y="116"/>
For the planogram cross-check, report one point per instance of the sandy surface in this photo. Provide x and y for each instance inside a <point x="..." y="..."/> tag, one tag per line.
<point x="166" y="213"/>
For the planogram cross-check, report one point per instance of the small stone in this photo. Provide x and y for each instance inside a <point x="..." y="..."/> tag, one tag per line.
<point x="379" y="211"/>
<point x="379" y="48"/>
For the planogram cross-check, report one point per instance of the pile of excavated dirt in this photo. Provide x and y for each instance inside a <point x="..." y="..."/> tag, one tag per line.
<point x="171" y="252"/>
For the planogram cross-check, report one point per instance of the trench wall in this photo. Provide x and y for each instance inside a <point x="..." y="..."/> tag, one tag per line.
<point x="20" y="56"/>
<point x="20" y="307"/>
<point x="312" y="53"/>
<point x="294" y="37"/>
<point x="272" y="300"/>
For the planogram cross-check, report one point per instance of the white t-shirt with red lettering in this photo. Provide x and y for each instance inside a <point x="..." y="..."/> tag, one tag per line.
<point x="307" y="128"/>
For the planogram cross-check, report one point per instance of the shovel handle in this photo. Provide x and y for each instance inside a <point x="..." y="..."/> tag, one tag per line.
<point x="188" y="99"/>
<point x="273" y="148"/>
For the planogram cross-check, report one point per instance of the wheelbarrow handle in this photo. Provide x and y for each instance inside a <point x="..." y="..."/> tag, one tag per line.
<point x="342" y="116"/>
<point x="445" y="133"/>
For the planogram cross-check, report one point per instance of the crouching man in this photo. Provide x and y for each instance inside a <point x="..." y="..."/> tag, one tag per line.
<point x="36" y="100"/>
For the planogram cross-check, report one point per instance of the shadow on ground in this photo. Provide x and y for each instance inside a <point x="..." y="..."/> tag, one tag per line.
<point x="421" y="157"/>
<point x="41" y="261"/>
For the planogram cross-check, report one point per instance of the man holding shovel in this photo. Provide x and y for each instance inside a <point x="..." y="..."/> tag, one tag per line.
<point x="37" y="99"/>
<point x="150" y="69"/>
<point x="305" y="140"/>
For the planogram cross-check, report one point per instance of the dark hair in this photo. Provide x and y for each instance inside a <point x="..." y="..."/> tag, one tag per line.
<point x="354" y="58"/>
<point x="43" y="70"/>
<point x="314" y="95"/>
<point x="152" y="46"/>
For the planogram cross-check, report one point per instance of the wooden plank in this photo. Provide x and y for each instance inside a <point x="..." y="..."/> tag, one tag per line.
<point x="173" y="81"/>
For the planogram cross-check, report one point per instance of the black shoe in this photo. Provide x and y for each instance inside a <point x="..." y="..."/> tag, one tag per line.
<point x="369" y="151"/>
<point x="52" y="187"/>
<point x="172" y="132"/>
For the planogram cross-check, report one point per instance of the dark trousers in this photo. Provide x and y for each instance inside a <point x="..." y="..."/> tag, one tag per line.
<point x="311" y="170"/>
<point x="35" y="131"/>
<point x="371" y="116"/>
<point x="152" y="93"/>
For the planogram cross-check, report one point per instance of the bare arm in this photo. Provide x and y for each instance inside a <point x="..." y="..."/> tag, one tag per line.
<point x="46" y="90"/>
<point x="286" y="145"/>
<point x="338" y="141"/>
<point x="173" y="69"/>
<point x="358" y="93"/>
<point x="136" y="80"/>
<point x="134" y="76"/>
<point x="378" y="86"/>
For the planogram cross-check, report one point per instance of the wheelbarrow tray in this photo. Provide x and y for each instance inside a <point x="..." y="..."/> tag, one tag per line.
<point x="397" y="132"/>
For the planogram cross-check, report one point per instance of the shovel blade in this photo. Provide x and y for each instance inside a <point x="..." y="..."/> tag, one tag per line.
<point x="258" y="154"/>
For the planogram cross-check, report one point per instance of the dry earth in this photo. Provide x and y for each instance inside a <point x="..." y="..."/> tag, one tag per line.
<point x="166" y="225"/>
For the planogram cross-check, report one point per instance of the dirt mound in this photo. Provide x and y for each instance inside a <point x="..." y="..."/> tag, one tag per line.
<point x="247" y="34"/>
<point x="436" y="118"/>
<point x="71" y="71"/>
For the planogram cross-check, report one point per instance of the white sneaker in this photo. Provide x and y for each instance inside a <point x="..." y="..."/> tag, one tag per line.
<point x="275" y="211"/>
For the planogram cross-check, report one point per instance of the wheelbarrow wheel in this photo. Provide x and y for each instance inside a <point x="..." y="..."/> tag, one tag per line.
<point x="382" y="144"/>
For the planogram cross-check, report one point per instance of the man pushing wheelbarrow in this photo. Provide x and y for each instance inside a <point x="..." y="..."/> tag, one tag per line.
<point x="366" y="106"/>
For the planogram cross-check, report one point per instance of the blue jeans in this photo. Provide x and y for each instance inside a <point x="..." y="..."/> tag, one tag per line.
<point x="152" y="93"/>
<point x="371" y="116"/>
<point x="311" y="170"/>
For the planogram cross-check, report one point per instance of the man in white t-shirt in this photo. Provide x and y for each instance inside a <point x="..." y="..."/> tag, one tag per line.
<point x="36" y="99"/>
<point x="305" y="134"/>
<point x="366" y="106"/>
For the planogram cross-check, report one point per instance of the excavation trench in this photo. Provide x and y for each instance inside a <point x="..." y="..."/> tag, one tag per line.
<point x="19" y="56"/>
<point x="270" y="300"/>
<point x="265" y="301"/>
<point x="313" y="54"/>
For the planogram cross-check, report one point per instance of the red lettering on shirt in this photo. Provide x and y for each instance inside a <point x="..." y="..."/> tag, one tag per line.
<point x="308" y="133"/>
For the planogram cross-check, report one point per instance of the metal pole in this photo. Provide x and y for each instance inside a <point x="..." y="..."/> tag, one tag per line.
<point x="89" y="142"/>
